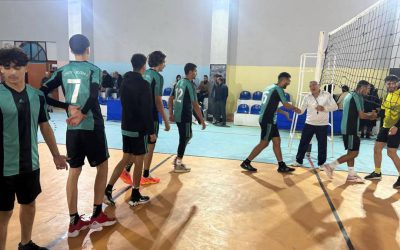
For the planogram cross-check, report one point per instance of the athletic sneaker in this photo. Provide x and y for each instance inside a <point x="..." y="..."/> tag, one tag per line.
<point x="181" y="169"/>
<point x="373" y="176"/>
<point x="354" y="179"/>
<point x="308" y="154"/>
<point x="108" y="199"/>
<point x="101" y="221"/>
<point x="30" y="246"/>
<point x="321" y="167"/>
<point x="134" y="201"/>
<point x="149" y="180"/>
<point x="296" y="164"/>
<point x="74" y="229"/>
<point x="396" y="185"/>
<point x="248" y="167"/>
<point x="126" y="177"/>
<point x="328" y="170"/>
<point x="285" y="169"/>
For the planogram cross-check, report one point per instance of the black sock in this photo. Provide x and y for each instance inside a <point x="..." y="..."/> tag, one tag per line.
<point x="135" y="192"/>
<point x="97" y="210"/>
<point x="247" y="161"/>
<point x="109" y="188"/>
<point x="128" y="167"/>
<point x="146" y="173"/>
<point x="281" y="163"/>
<point x="73" y="218"/>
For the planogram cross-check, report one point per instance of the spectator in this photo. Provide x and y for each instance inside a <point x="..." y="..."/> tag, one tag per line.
<point x="117" y="80"/>
<point x="221" y="95"/>
<point x="345" y="92"/>
<point x="211" y="95"/>
<point x="203" y="91"/>
<point x="107" y="83"/>
<point x="371" y="103"/>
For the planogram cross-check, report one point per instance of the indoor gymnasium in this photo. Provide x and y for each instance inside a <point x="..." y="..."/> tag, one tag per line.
<point x="199" y="124"/>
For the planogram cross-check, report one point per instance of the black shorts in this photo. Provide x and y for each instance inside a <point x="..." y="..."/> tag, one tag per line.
<point x="393" y="141"/>
<point x="156" y="129"/>
<point x="135" y="145"/>
<point x="268" y="131"/>
<point x="86" y="143"/>
<point x="351" y="142"/>
<point x="25" y="186"/>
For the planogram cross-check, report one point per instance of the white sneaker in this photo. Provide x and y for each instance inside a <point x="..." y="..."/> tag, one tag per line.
<point x="328" y="170"/>
<point x="354" y="178"/>
<point x="296" y="164"/>
<point x="321" y="167"/>
<point x="181" y="169"/>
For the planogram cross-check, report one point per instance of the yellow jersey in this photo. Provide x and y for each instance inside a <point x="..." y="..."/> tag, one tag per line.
<point x="391" y="105"/>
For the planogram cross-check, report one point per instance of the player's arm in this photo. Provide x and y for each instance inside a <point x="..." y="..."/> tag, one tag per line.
<point x="146" y="105"/>
<point x="286" y="114"/>
<point x="158" y="101"/>
<point x="171" y="105"/>
<point x="48" y="135"/>
<point x="285" y="103"/>
<point x="195" y="105"/>
<point x="53" y="83"/>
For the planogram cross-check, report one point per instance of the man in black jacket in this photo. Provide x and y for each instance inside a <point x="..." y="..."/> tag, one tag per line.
<point x="137" y="126"/>
<point x="221" y="95"/>
<point x="107" y="83"/>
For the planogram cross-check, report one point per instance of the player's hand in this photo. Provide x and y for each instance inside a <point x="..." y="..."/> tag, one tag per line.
<point x="72" y="109"/>
<point x="286" y="114"/>
<point x="393" y="130"/>
<point x="373" y="115"/>
<point x="320" y="108"/>
<point x="61" y="162"/>
<point x="297" y="110"/>
<point x="167" y="126"/>
<point x="203" y="125"/>
<point x="153" y="138"/>
<point x="171" y="118"/>
<point x="76" y="119"/>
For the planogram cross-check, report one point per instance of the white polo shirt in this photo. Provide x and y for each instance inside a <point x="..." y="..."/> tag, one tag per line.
<point x="310" y="103"/>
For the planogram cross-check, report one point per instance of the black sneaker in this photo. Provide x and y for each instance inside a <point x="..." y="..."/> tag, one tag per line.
<point x="248" y="167"/>
<point x="30" y="246"/>
<point x="285" y="169"/>
<point x="373" y="176"/>
<point x="108" y="199"/>
<point x="134" y="201"/>
<point x="396" y="185"/>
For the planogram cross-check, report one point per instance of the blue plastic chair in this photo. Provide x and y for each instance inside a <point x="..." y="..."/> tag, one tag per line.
<point x="245" y="95"/>
<point x="255" y="109"/>
<point x="257" y="95"/>
<point x="243" y="109"/>
<point x="287" y="97"/>
<point x="167" y="91"/>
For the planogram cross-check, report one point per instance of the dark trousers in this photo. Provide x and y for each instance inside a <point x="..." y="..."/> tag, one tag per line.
<point x="220" y="111"/>
<point x="185" y="134"/>
<point x="321" y="133"/>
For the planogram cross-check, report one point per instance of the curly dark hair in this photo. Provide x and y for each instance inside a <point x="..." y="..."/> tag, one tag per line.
<point x="156" y="58"/>
<point x="13" y="55"/>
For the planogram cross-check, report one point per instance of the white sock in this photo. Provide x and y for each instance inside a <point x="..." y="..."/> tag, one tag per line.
<point x="334" y="164"/>
<point x="351" y="171"/>
<point x="178" y="162"/>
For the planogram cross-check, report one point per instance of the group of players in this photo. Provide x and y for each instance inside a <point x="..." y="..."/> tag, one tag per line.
<point x="23" y="109"/>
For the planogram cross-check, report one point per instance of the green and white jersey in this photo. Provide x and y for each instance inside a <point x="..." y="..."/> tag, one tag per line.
<point x="184" y="94"/>
<point x="20" y="115"/>
<point x="272" y="95"/>
<point x="352" y="104"/>
<point x="77" y="79"/>
<point x="156" y="81"/>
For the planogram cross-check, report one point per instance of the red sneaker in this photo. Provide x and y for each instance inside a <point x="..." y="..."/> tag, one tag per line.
<point x="126" y="177"/>
<point x="149" y="180"/>
<point x="101" y="221"/>
<point x="82" y="224"/>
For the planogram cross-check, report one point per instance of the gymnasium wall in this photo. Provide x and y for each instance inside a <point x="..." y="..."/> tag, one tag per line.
<point x="268" y="37"/>
<point x="24" y="20"/>
<point x="179" y="28"/>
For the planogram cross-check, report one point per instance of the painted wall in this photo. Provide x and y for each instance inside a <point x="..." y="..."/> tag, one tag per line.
<point x="26" y="20"/>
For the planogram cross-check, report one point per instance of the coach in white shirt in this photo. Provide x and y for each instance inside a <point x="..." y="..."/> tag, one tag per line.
<point x="318" y="105"/>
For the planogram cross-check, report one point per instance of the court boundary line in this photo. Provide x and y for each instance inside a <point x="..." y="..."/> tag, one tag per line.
<point x="333" y="208"/>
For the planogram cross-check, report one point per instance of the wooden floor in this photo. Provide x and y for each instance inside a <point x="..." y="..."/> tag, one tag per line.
<point x="218" y="206"/>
